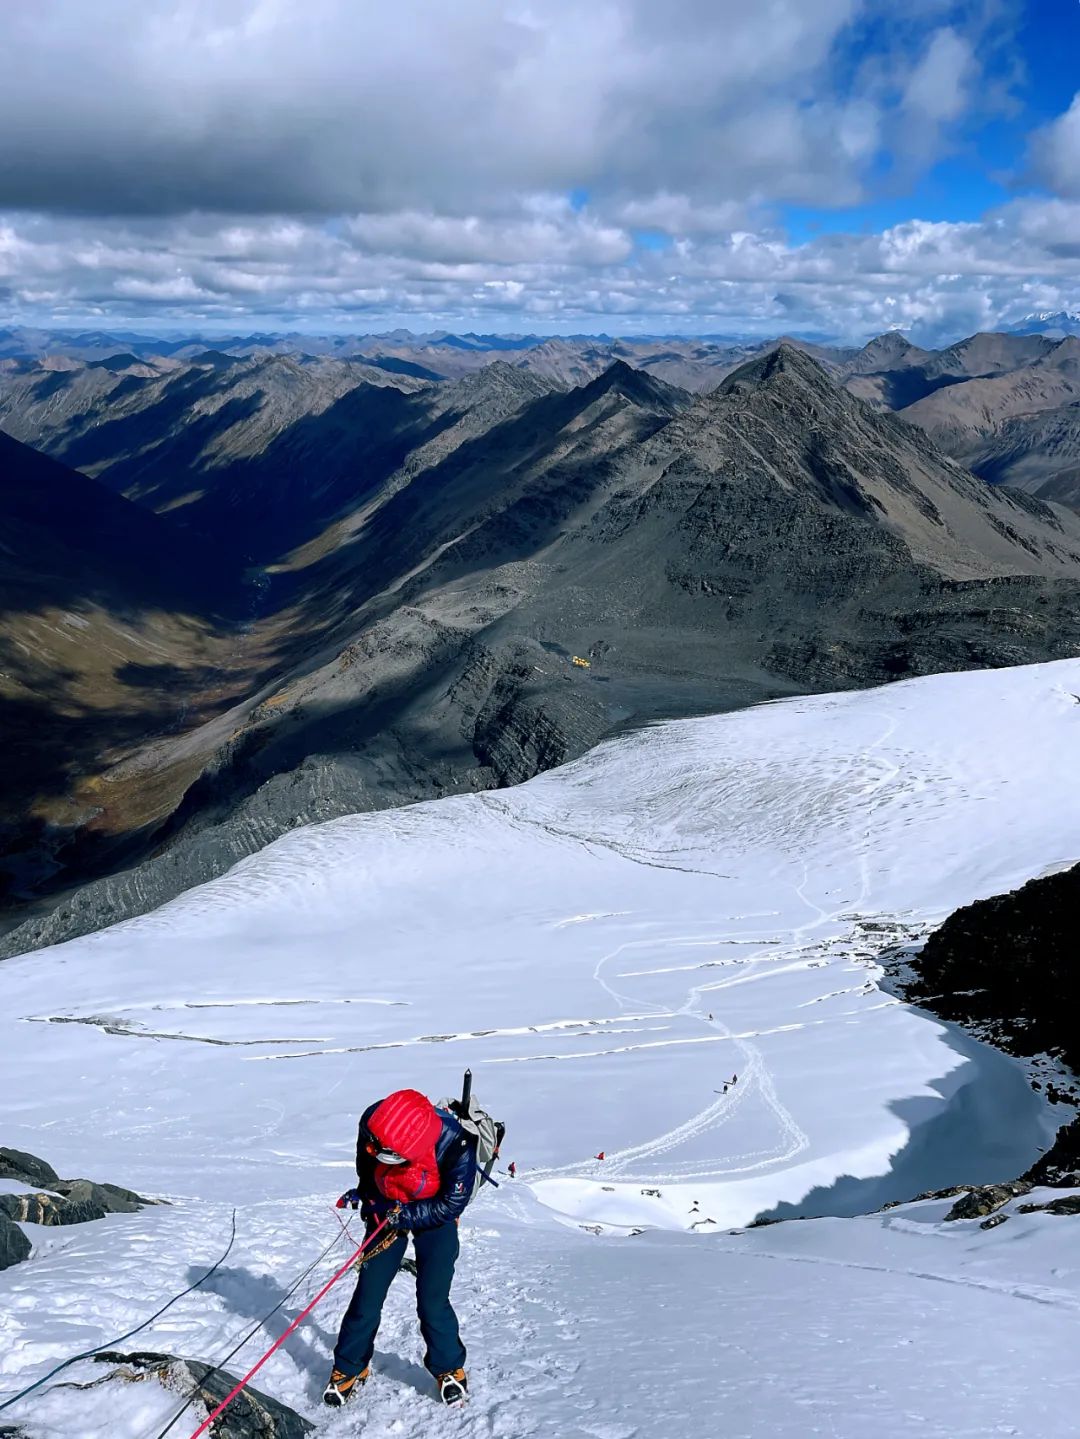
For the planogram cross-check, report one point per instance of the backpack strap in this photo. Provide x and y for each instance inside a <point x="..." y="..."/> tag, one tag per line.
<point x="485" y="1173"/>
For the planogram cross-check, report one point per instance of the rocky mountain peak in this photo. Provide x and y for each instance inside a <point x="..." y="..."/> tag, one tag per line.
<point x="500" y="377"/>
<point x="637" y="386"/>
<point x="889" y="351"/>
<point x="786" y="366"/>
<point x="1065" y="352"/>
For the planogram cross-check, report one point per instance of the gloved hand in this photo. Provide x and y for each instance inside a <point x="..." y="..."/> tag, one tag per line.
<point x="351" y="1199"/>
<point x="378" y="1207"/>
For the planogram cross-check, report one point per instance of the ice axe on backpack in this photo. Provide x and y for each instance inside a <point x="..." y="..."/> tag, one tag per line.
<point x="487" y="1132"/>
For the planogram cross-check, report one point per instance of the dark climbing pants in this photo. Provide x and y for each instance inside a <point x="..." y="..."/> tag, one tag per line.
<point x="436" y="1254"/>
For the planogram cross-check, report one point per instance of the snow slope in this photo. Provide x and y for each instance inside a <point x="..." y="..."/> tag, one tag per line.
<point x="606" y="946"/>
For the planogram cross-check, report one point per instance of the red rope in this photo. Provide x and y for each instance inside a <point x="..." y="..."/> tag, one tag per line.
<point x="205" y="1425"/>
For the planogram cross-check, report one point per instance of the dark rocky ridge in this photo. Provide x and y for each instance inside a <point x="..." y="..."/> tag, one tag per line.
<point x="1007" y="967"/>
<point x="1011" y="963"/>
<point x="775" y="537"/>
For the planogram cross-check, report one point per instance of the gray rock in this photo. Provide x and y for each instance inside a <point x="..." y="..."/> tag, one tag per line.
<point x="106" y="1198"/>
<point x="949" y="1193"/>
<point x="26" y="1168"/>
<point x="984" y="1199"/>
<point x="77" y="1201"/>
<point x="1067" y="1204"/>
<point x="34" y="1209"/>
<point x="993" y="1221"/>
<point x="1059" y="1167"/>
<point x="1010" y="962"/>
<point x="14" y="1245"/>
<point x="251" y="1415"/>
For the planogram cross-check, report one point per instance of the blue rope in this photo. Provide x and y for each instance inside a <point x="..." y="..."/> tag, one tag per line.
<point x="111" y="1344"/>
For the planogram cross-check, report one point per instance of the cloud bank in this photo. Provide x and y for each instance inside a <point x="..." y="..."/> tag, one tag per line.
<point x="511" y="165"/>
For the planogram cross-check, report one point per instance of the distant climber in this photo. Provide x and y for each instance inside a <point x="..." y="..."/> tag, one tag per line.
<point x="600" y="1155"/>
<point x="511" y="1169"/>
<point x="416" y="1167"/>
<point x="734" y="1079"/>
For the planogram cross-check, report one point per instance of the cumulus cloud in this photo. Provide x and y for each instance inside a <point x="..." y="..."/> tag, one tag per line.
<point x="507" y="163"/>
<point x="1056" y="152"/>
<point x="562" y="271"/>
<point x="336" y="106"/>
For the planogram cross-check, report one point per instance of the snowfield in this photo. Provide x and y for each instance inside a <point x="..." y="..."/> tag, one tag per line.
<point x="607" y="946"/>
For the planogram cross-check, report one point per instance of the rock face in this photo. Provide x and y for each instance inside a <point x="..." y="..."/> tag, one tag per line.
<point x="251" y="1415"/>
<point x="987" y="1199"/>
<point x="14" y="1245"/>
<point x="1059" y="1167"/>
<point x="1011" y="963"/>
<point x="1005" y="405"/>
<point x="26" y="1168"/>
<point x="72" y="1201"/>
<point x="1067" y="1204"/>
<point x="81" y="1201"/>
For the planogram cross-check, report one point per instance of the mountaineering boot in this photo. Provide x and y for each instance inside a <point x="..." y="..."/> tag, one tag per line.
<point x="453" y="1387"/>
<point x="342" y="1387"/>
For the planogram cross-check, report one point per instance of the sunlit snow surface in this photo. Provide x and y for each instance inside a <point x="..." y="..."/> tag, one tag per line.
<point x="570" y="940"/>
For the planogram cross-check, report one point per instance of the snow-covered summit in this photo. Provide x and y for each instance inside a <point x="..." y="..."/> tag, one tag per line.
<point x="1047" y="322"/>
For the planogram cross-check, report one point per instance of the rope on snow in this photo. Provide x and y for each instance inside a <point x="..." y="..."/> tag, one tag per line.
<point x="256" y="1327"/>
<point x="112" y="1343"/>
<point x="242" y="1383"/>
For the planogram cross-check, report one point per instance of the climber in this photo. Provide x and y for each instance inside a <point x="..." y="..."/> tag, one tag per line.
<point x="415" y="1168"/>
<point x="512" y="1169"/>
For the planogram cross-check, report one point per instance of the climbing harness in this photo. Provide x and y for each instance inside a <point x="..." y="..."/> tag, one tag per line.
<point x="112" y="1343"/>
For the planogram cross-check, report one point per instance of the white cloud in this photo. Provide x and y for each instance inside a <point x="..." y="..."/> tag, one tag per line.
<point x="564" y="271"/>
<point x="494" y="162"/>
<point x="337" y="106"/>
<point x="937" y="87"/>
<point x="1056" y="152"/>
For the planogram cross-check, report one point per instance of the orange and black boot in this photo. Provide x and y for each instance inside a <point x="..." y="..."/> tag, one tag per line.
<point x="453" y="1387"/>
<point x="342" y="1387"/>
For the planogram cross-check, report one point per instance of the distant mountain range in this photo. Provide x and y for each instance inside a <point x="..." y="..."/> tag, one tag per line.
<point x="1055" y="323"/>
<point x="1011" y="413"/>
<point x="1007" y="406"/>
<point x="266" y="589"/>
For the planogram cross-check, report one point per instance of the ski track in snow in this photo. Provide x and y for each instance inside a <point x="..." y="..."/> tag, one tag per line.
<point x="754" y="1073"/>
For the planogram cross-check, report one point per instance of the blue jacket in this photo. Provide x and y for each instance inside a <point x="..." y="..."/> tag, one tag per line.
<point x="455" y="1155"/>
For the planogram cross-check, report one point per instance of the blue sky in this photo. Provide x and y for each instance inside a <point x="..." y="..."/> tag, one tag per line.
<point x="830" y="166"/>
<point x="1039" y="63"/>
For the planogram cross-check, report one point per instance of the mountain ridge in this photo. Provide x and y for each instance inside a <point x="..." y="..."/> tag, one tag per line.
<point x="774" y="536"/>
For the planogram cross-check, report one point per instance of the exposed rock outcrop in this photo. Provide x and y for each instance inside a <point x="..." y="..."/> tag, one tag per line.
<point x="251" y="1415"/>
<point x="14" y="1245"/>
<point x="69" y="1201"/>
<point x="26" y="1168"/>
<point x="1009" y="964"/>
<point x="984" y="1199"/>
<point x="76" y="1201"/>
<point x="1059" y="1167"/>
